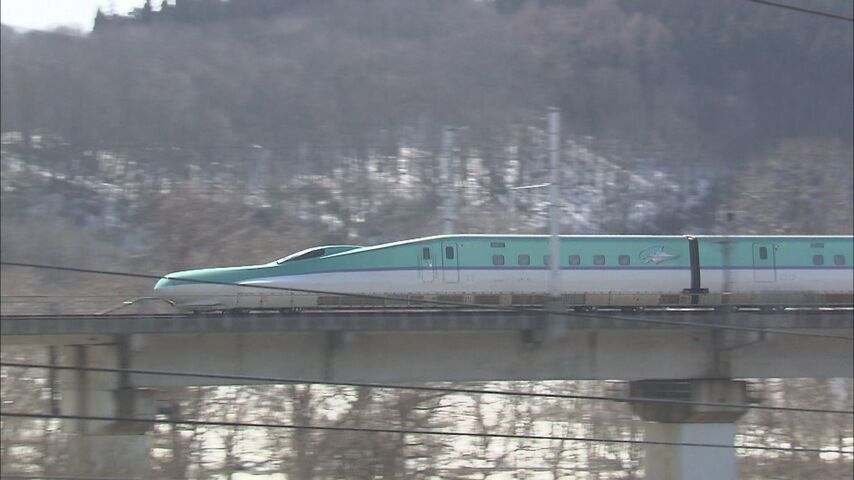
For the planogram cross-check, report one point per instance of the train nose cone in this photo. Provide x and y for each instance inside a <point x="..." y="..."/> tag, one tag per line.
<point x="167" y="289"/>
<point x="162" y="284"/>
<point x="205" y="289"/>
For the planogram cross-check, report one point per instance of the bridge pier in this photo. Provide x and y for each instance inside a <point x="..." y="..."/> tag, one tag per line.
<point x="673" y="423"/>
<point x="104" y="448"/>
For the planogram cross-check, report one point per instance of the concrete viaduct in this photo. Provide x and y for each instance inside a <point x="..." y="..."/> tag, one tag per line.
<point x="703" y="351"/>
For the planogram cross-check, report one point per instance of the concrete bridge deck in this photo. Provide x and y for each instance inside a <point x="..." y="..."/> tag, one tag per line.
<point x="15" y="326"/>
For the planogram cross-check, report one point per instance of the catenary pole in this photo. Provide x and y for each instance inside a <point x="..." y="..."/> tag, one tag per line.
<point x="448" y="179"/>
<point x="554" y="195"/>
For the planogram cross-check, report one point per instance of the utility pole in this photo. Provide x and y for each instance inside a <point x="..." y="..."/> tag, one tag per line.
<point x="448" y="188"/>
<point x="554" y="196"/>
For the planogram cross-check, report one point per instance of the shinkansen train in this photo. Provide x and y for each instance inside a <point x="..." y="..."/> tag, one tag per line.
<point x="594" y="271"/>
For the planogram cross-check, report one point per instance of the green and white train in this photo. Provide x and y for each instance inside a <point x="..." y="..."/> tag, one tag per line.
<point x="595" y="271"/>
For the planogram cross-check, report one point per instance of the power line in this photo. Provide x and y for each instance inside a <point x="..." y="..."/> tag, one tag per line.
<point x="24" y="476"/>
<point x="385" y="386"/>
<point x="254" y="148"/>
<point x="83" y="295"/>
<point x="294" y="149"/>
<point x="439" y="302"/>
<point x="803" y="10"/>
<point x="396" y="431"/>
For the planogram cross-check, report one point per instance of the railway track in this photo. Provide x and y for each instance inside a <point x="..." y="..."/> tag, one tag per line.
<point x="347" y="320"/>
<point x="668" y="310"/>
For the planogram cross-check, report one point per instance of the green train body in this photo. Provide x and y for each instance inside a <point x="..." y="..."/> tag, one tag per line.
<point x="595" y="271"/>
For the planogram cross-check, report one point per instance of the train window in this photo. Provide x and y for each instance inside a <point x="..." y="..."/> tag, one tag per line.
<point x="818" y="259"/>
<point x="497" y="245"/>
<point x="449" y="253"/>
<point x="498" y="259"/>
<point x="425" y="253"/>
<point x="763" y="253"/>
<point x="839" y="259"/>
<point x="524" y="259"/>
<point x="598" y="259"/>
<point x="575" y="259"/>
<point x="624" y="260"/>
<point x="547" y="260"/>
<point x="303" y="255"/>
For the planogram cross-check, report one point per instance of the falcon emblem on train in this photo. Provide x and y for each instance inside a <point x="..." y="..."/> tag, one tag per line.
<point x="656" y="255"/>
<point x="596" y="271"/>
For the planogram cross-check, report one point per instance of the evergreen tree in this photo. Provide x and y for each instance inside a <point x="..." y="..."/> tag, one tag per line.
<point x="100" y="21"/>
<point x="145" y="15"/>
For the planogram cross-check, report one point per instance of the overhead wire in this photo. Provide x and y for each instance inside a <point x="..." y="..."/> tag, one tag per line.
<point x="28" y="476"/>
<point x="402" y="431"/>
<point x="803" y="10"/>
<point x="177" y="147"/>
<point x="82" y="295"/>
<point x="439" y="302"/>
<point x="422" y="388"/>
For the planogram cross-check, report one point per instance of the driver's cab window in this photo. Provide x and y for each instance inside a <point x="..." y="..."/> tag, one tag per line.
<point x="303" y="255"/>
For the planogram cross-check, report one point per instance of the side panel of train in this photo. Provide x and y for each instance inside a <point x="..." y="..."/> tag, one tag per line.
<point x="498" y="265"/>
<point x="594" y="271"/>
<point x="604" y="270"/>
<point x="797" y="270"/>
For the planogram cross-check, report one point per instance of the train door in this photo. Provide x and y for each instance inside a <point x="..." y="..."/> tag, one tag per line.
<point x="450" y="262"/>
<point x="764" y="266"/>
<point x="425" y="264"/>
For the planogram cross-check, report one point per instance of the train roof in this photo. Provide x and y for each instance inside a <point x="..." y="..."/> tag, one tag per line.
<point x="484" y="236"/>
<point x="528" y="236"/>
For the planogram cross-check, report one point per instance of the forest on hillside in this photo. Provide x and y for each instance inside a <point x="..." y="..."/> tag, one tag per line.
<point x="322" y="120"/>
<point x="330" y="114"/>
<point x="726" y="78"/>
